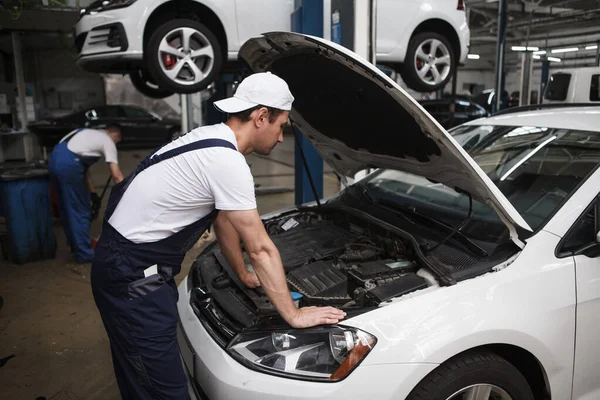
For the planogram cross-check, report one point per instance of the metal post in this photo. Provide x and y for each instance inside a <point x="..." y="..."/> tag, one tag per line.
<point x="598" y="53"/>
<point x="526" y="70"/>
<point x="191" y="124"/>
<point x="500" y="54"/>
<point x="307" y="18"/>
<point x="545" y="75"/>
<point x="183" y="101"/>
<point x="27" y="139"/>
<point x="453" y="103"/>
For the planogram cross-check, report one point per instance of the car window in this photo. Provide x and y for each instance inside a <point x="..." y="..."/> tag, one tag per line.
<point x="582" y="232"/>
<point x="581" y="238"/>
<point x="536" y="168"/>
<point x="558" y="87"/>
<point x="595" y="88"/>
<point x="108" y="112"/>
<point x="132" y="112"/>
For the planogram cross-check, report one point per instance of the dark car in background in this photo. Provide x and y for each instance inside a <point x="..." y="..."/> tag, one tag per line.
<point x="465" y="110"/>
<point x="141" y="128"/>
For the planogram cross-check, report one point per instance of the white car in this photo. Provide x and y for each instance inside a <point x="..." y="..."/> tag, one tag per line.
<point x="573" y="85"/>
<point x="466" y="273"/>
<point x="176" y="46"/>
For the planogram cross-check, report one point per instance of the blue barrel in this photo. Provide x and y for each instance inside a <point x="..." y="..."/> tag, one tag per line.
<point x="25" y="201"/>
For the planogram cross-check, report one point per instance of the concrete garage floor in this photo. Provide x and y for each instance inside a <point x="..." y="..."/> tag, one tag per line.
<point x="49" y="319"/>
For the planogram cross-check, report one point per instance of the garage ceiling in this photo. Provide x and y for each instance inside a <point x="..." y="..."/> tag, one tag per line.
<point x="546" y="24"/>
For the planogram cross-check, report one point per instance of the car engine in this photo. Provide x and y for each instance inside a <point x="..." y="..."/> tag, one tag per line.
<point x="333" y="262"/>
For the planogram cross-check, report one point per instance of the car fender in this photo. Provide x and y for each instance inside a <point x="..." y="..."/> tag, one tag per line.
<point x="529" y="304"/>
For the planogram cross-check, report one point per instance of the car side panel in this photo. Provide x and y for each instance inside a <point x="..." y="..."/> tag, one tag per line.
<point x="426" y="10"/>
<point x="529" y="304"/>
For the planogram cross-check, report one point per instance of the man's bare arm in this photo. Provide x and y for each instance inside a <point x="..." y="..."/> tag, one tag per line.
<point x="229" y="240"/>
<point x="116" y="172"/>
<point x="267" y="263"/>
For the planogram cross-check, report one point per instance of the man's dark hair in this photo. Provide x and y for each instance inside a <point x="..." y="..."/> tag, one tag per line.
<point x="244" y="116"/>
<point x="113" y="127"/>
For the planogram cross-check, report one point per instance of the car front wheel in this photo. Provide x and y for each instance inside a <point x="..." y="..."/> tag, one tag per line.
<point x="476" y="375"/>
<point x="429" y="63"/>
<point x="184" y="56"/>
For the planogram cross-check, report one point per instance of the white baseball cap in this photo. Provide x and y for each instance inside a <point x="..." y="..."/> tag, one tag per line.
<point x="262" y="88"/>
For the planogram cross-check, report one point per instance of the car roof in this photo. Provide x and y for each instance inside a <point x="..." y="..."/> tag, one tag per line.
<point x="584" y="118"/>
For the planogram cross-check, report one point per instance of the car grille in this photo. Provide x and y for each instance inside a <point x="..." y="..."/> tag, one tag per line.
<point x="79" y="41"/>
<point x="112" y="35"/>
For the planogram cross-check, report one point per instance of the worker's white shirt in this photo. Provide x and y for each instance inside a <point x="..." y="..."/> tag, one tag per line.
<point x="93" y="143"/>
<point x="170" y="195"/>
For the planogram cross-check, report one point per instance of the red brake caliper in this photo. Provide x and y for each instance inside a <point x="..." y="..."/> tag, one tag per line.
<point x="169" y="60"/>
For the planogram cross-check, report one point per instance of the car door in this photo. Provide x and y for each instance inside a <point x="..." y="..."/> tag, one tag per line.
<point x="393" y="21"/>
<point x="582" y="243"/>
<point x="258" y="16"/>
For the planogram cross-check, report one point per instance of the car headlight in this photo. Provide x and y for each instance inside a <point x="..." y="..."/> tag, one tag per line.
<point x="322" y="354"/>
<point x="112" y="4"/>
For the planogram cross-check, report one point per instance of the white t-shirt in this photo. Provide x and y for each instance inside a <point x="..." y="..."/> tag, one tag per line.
<point x="172" y="194"/>
<point x="93" y="143"/>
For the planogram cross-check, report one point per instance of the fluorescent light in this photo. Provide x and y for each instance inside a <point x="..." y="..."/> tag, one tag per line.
<point x="535" y="56"/>
<point x="523" y="48"/>
<point x="555" y="59"/>
<point x="592" y="47"/>
<point x="473" y="56"/>
<point x="567" y="50"/>
<point x="540" y="52"/>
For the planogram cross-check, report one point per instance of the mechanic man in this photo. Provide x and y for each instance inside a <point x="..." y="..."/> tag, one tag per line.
<point x="69" y="173"/>
<point x="158" y="213"/>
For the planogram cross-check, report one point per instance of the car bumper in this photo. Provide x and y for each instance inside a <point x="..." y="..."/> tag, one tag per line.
<point x="464" y="35"/>
<point x="108" y="35"/>
<point x="215" y="375"/>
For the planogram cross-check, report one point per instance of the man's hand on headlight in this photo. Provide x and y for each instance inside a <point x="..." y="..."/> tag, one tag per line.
<point x="306" y="317"/>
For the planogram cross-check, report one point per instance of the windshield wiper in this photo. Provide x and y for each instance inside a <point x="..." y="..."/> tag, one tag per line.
<point x="455" y="232"/>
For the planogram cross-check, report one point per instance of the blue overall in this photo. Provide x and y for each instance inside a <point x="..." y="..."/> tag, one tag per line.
<point x="67" y="173"/>
<point x="140" y="313"/>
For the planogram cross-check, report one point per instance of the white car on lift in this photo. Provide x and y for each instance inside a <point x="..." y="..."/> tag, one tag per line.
<point x="466" y="272"/>
<point x="177" y="46"/>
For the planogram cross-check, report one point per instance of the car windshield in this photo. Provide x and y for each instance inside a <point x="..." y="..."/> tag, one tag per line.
<point x="536" y="168"/>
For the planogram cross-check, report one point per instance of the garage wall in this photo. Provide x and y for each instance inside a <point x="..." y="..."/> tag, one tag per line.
<point x="62" y="86"/>
<point x="467" y="78"/>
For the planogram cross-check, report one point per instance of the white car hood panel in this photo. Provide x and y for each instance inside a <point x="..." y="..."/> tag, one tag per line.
<point x="357" y="118"/>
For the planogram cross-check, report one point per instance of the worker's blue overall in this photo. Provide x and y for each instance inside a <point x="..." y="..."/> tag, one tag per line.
<point x="140" y="313"/>
<point x="68" y="176"/>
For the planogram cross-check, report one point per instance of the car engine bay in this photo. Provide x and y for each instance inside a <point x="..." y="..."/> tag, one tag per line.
<point x="329" y="258"/>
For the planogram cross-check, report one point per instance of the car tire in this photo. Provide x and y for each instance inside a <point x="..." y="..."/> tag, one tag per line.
<point x="421" y="63"/>
<point x="189" y="73"/>
<point x="473" y="373"/>
<point x="145" y="84"/>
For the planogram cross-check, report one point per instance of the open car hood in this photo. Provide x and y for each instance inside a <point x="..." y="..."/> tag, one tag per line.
<point x="357" y="118"/>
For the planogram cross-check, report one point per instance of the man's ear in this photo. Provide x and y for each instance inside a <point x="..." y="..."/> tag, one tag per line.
<point x="261" y="117"/>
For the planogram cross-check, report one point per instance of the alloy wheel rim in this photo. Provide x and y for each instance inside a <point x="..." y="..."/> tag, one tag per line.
<point x="432" y="62"/>
<point x="481" y="391"/>
<point x="186" y="56"/>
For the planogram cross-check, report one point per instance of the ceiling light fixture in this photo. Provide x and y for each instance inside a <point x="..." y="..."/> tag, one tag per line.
<point x="567" y="50"/>
<point x="473" y="56"/>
